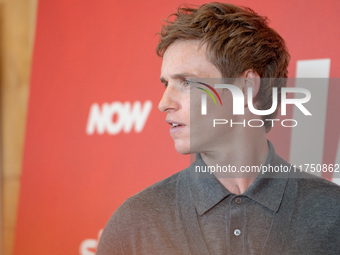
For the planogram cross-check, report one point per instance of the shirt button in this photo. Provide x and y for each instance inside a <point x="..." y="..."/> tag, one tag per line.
<point x="237" y="232"/>
<point x="238" y="200"/>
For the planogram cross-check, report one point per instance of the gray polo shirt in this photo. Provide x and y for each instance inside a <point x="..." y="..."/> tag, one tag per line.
<point x="190" y="213"/>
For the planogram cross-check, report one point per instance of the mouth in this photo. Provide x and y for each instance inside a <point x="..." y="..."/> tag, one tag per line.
<point x="176" y="125"/>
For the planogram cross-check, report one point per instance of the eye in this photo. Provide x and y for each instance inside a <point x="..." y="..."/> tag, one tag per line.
<point x="187" y="83"/>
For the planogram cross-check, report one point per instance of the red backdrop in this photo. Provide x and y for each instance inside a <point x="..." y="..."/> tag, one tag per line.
<point x="94" y="72"/>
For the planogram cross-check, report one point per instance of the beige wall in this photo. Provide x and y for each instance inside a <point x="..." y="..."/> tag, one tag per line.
<point x="17" y="25"/>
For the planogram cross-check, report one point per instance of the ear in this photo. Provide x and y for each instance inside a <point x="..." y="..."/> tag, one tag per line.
<point x="252" y="79"/>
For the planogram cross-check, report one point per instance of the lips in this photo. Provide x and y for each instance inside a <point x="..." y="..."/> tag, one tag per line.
<point x="175" y="126"/>
<point x="174" y="123"/>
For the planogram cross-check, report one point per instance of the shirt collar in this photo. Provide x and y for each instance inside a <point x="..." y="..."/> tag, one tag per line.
<point x="206" y="190"/>
<point x="267" y="190"/>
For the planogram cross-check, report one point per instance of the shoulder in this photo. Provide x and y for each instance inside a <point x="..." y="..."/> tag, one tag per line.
<point x="317" y="187"/>
<point x="315" y="215"/>
<point x="158" y="195"/>
<point x="309" y="186"/>
<point x="151" y="204"/>
<point x="138" y="221"/>
<point x="317" y="196"/>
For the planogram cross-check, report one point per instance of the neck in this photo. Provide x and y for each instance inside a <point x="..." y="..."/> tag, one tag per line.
<point x="245" y="150"/>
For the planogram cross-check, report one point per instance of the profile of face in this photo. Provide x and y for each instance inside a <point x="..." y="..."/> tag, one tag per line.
<point x="183" y="62"/>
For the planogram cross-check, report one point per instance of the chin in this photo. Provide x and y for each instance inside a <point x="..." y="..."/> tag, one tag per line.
<point x="182" y="148"/>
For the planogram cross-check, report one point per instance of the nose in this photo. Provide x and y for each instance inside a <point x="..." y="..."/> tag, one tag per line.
<point x="169" y="101"/>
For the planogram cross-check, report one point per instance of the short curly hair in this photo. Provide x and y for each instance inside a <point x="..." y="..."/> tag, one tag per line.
<point x="237" y="39"/>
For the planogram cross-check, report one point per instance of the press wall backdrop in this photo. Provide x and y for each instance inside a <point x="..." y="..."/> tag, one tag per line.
<point x="94" y="134"/>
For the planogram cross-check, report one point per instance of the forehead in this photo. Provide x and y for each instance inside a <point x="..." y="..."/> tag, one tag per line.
<point x="187" y="56"/>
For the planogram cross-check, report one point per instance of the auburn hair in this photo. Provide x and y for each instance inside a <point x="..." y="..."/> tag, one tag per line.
<point x="237" y="39"/>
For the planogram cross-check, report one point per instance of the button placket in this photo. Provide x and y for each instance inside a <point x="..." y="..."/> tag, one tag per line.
<point x="237" y="221"/>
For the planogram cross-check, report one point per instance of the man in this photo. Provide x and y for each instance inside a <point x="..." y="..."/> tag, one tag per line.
<point x="228" y="212"/>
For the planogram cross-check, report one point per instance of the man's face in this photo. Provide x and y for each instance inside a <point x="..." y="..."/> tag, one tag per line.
<point x="184" y="61"/>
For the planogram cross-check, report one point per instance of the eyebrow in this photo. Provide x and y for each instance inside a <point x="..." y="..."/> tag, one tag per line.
<point x="179" y="76"/>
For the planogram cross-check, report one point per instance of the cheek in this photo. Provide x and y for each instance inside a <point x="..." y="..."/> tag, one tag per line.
<point x="196" y="101"/>
<point x="194" y="107"/>
<point x="225" y="111"/>
<point x="200" y="124"/>
<point x="185" y="107"/>
<point x="204" y="124"/>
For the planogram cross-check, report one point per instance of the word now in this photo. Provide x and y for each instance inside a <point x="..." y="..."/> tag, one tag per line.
<point x="112" y="118"/>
